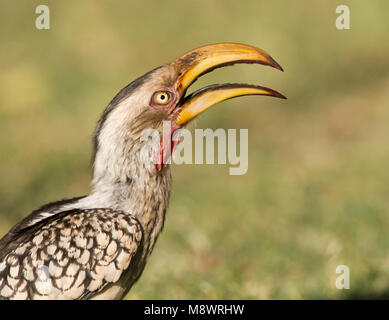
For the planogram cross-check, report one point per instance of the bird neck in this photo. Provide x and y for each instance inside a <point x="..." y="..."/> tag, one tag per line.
<point x="123" y="180"/>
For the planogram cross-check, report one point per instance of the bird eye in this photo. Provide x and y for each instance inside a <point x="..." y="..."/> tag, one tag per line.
<point x="161" y="97"/>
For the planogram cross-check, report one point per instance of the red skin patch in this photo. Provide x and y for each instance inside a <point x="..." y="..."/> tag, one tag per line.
<point x="166" y="149"/>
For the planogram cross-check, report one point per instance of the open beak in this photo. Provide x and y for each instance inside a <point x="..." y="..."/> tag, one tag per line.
<point x="202" y="60"/>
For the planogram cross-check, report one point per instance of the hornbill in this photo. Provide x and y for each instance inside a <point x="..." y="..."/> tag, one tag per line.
<point x="96" y="246"/>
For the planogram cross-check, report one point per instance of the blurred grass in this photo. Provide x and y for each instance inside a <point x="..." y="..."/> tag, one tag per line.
<point x="316" y="192"/>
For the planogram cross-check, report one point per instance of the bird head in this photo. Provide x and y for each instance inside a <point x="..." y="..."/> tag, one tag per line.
<point x="160" y="95"/>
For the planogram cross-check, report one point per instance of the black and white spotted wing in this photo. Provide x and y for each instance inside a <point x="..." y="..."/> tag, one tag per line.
<point x="69" y="255"/>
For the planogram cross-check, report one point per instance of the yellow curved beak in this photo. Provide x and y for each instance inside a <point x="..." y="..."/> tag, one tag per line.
<point x="207" y="97"/>
<point x="197" y="62"/>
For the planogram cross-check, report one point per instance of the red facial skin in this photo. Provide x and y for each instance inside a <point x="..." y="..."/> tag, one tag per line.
<point x="167" y="145"/>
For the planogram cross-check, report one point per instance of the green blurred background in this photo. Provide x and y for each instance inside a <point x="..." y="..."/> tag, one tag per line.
<point x="316" y="194"/>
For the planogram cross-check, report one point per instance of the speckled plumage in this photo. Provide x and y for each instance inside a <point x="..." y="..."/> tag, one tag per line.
<point x="74" y="255"/>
